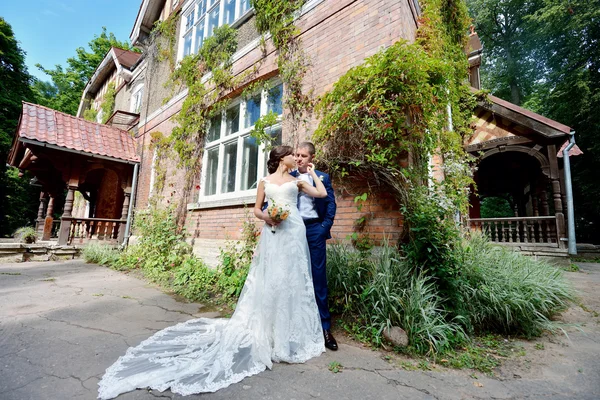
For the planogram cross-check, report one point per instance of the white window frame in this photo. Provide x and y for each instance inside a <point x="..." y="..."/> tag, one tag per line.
<point x="137" y="96"/>
<point x="193" y="7"/>
<point x="237" y="137"/>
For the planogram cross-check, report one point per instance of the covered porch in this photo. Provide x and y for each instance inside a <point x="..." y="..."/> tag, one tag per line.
<point x="85" y="171"/>
<point x="519" y="198"/>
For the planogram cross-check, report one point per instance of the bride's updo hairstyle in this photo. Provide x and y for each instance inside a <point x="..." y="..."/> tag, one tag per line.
<point x="276" y="155"/>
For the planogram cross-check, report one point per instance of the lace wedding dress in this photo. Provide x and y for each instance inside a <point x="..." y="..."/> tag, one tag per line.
<point x="276" y="319"/>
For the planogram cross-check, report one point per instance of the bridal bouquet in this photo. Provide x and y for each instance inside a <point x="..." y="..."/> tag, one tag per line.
<point x="277" y="213"/>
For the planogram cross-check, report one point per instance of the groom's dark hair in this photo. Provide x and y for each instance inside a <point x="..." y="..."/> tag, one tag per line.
<point x="308" y="146"/>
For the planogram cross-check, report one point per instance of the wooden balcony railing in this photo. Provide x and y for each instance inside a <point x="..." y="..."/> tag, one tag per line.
<point x="83" y="230"/>
<point x="530" y="230"/>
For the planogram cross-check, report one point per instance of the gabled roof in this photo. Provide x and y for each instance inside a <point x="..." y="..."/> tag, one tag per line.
<point x="45" y="127"/>
<point x="148" y="14"/>
<point x="115" y="59"/>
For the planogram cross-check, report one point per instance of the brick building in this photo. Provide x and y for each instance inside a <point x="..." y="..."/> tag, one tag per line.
<point x="335" y="35"/>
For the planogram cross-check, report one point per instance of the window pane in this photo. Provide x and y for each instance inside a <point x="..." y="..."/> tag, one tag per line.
<point x="249" y="163"/>
<point x="189" y="21"/>
<point x="232" y="120"/>
<point x="199" y="35"/>
<point x="244" y="6"/>
<point x="214" y="131"/>
<point x="252" y="111"/>
<point x="213" y="20"/>
<point x="187" y="44"/>
<point x="274" y="102"/>
<point x="229" y="161"/>
<point x="210" y="185"/>
<point x="201" y="8"/>
<point x="229" y="12"/>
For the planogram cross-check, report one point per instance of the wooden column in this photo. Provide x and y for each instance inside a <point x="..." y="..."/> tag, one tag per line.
<point x="124" y="213"/>
<point x="65" y="220"/>
<point x="49" y="220"/>
<point x="39" y="226"/>
<point x="557" y="196"/>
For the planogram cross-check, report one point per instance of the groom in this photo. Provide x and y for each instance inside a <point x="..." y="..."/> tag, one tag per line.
<point x="318" y="215"/>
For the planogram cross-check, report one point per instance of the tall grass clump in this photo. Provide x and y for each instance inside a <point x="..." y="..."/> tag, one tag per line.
<point x="504" y="291"/>
<point x="384" y="290"/>
<point x="102" y="254"/>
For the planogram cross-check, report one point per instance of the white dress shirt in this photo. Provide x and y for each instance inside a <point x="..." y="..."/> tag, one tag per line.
<point x="306" y="203"/>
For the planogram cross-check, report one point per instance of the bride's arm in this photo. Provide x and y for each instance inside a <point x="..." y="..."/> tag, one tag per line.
<point x="260" y="200"/>
<point x="318" y="191"/>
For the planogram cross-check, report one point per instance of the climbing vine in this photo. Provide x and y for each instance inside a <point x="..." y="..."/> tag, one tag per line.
<point x="108" y="103"/>
<point x="276" y="17"/>
<point x="388" y="119"/>
<point x="165" y="32"/>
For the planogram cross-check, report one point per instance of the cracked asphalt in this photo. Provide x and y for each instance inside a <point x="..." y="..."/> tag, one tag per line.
<point x="63" y="323"/>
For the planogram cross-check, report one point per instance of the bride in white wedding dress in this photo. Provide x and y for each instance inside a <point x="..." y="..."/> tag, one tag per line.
<point x="276" y="317"/>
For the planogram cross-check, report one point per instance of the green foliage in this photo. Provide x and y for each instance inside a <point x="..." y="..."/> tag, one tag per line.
<point x="90" y="115"/>
<point x="506" y="292"/>
<point x="276" y="17"/>
<point x="101" y="254"/>
<point x="70" y="81"/>
<point x="108" y="102"/>
<point x="235" y="259"/>
<point x="194" y="280"/>
<point x="383" y="290"/>
<point x="496" y="207"/>
<point x="26" y="234"/>
<point x="18" y="200"/>
<point x="166" y="30"/>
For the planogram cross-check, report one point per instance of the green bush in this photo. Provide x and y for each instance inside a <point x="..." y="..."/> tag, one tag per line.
<point x="26" y="234"/>
<point x="235" y="260"/>
<point x="101" y="254"/>
<point x="194" y="280"/>
<point x="504" y="291"/>
<point x="383" y="290"/>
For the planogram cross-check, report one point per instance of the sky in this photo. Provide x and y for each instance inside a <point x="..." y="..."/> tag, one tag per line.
<point x="49" y="31"/>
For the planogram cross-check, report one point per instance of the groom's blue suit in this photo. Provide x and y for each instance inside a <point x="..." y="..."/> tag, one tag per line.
<point x="317" y="232"/>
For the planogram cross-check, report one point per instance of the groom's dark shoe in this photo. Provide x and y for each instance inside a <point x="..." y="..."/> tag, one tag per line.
<point x="330" y="342"/>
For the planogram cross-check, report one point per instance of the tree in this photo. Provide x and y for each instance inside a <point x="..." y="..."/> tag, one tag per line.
<point x="14" y="88"/>
<point x="569" y="40"/>
<point x="556" y="73"/>
<point x="510" y="63"/>
<point x="70" y="81"/>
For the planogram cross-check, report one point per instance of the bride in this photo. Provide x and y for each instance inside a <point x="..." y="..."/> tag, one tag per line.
<point x="276" y="317"/>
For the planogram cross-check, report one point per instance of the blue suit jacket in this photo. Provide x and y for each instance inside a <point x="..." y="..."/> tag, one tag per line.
<point x="325" y="206"/>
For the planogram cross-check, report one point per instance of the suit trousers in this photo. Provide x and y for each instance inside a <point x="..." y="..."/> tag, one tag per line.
<point x="316" y="236"/>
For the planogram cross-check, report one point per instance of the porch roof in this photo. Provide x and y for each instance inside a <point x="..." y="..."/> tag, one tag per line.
<point x="45" y="127"/>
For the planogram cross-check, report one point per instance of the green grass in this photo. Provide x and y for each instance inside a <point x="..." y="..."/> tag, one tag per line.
<point x="102" y="254"/>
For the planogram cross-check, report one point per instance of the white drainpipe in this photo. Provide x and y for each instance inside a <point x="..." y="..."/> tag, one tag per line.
<point x="569" y="189"/>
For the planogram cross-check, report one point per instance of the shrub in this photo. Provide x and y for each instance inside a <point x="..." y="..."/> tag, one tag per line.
<point x="194" y="280"/>
<point x="235" y="259"/>
<point x="26" y="234"/>
<point x="507" y="292"/>
<point x="102" y="254"/>
<point x="383" y="289"/>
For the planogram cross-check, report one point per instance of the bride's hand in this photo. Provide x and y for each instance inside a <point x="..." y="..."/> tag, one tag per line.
<point x="310" y="168"/>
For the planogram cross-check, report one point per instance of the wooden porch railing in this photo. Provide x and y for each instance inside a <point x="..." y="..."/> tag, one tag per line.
<point x="83" y="230"/>
<point x="55" y="228"/>
<point x="530" y="230"/>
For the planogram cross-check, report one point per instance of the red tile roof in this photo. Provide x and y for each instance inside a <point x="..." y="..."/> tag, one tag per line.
<point x="45" y="125"/>
<point x="126" y="58"/>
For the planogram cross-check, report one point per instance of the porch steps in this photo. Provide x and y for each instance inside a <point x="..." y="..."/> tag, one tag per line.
<point x="43" y="251"/>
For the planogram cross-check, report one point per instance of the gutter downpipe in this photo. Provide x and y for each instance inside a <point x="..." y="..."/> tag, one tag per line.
<point x="569" y="189"/>
<point x="136" y="168"/>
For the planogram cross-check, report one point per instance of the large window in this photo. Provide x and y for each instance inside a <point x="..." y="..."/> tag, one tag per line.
<point x="203" y="16"/>
<point x="233" y="160"/>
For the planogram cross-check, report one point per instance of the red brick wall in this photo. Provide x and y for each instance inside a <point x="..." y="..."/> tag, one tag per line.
<point x="336" y="36"/>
